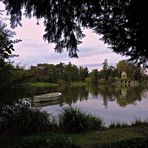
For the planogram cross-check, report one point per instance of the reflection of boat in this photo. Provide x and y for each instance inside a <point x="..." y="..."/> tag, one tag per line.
<point x="47" y="97"/>
<point x="49" y="103"/>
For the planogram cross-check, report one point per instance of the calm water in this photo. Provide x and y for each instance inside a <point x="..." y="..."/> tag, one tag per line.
<point x="112" y="104"/>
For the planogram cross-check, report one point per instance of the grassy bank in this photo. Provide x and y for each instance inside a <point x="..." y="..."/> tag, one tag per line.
<point x="42" y="84"/>
<point x="22" y="127"/>
<point x="90" y="139"/>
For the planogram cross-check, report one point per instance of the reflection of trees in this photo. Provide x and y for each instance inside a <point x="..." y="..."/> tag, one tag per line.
<point x="108" y="93"/>
<point x="129" y="95"/>
<point x="122" y="95"/>
<point x="74" y="94"/>
<point x="41" y="90"/>
<point x="145" y="93"/>
<point x="93" y="89"/>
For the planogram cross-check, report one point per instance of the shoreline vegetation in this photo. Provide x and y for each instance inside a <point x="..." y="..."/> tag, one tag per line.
<point x="79" y="84"/>
<point x="46" y="84"/>
<point x="75" y="129"/>
<point x="31" y="128"/>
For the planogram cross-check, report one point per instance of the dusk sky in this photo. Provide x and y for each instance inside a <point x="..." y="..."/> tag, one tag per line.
<point x="33" y="50"/>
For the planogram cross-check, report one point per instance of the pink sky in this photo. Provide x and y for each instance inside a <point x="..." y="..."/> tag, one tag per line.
<point x="33" y="49"/>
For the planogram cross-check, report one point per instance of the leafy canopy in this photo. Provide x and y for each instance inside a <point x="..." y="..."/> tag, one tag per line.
<point x="6" y="44"/>
<point x="123" y="24"/>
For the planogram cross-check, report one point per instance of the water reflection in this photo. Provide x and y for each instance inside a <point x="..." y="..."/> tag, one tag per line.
<point x="73" y="94"/>
<point x="122" y="95"/>
<point x="110" y="102"/>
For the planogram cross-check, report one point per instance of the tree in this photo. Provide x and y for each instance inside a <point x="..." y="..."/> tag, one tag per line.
<point x="6" y="44"/>
<point x="60" y="71"/>
<point x="107" y="72"/>
<point x="94" y="76"/>
<point x="105" y="65"/>
<point x="123" y="24"/>
<point x="70" y="73"/>
<point x="83" y="73"/>
<point x="133" y="71"/>
<point x="122" y="66"/>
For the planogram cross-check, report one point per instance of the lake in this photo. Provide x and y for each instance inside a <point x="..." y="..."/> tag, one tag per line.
<point x="113" y="104"/>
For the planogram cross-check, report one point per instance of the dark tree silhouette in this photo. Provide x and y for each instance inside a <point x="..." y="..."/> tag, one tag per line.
<point x="6" y="44"/>
<point x="123" y="23"/>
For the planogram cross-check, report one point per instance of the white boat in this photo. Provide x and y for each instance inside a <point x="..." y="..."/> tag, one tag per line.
<point x="47" y="97"/>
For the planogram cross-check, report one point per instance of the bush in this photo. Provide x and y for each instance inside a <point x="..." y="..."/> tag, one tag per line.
<point x="72" y="120"/>
<point x="21" y="120"/>
<point x="118" y="125"/>
<point x="139" y="123"/>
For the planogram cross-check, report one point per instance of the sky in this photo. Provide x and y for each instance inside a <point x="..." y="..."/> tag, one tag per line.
<point x="33" y="50"/>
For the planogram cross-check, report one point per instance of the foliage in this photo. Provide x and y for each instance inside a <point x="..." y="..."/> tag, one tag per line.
<point x="133" y="71"/>
<point x="118" y="125"/>
<point x="70" y="73"/>
<point x="108" y="73"/>
<point x="62" y="73"/>
<point x="57" y="73"/>
<point x="20" y="120"/>
<point x="94" y="76"/>
<point x="111" y="74"/>
<point x="140" y="123"/>
<point x="87" y="80"/>
<point x="121" y="24"/>
<point x="12" y="82"/>
<point x="6" y="44"/>
<point x="73" y="120"/>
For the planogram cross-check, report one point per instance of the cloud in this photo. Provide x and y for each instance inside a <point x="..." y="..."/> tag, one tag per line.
<point x="34" y="50"/>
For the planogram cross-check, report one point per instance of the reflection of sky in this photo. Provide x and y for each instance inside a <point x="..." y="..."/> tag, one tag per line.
<point x="113" y="112"/>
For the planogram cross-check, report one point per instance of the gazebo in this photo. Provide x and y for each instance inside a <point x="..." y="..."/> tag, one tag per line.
<point x="123" y="75"/>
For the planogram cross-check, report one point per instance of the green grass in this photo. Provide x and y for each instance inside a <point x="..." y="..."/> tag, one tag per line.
<point x="76" y="130"/>
<point x="105" y="136"/>
<point x="82" y="140"/>
<point x="42" y="84"/>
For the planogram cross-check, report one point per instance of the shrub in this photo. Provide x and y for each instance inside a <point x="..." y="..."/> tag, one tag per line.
<point x="139" y="122"/>
<point x="118" y="125"/>
<point x="73" y="120"/>
<point x="22" y="120"/>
